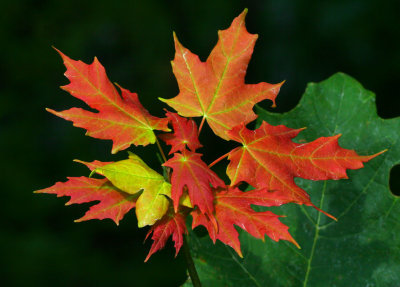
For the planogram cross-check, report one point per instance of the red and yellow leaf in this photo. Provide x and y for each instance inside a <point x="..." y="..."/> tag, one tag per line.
<point x="232" y="207"/>
<point x="120" y="118"/>
<point x="215" y="89"/>
<point x="270" y="159"/>
<point x="185" y="134"/>
<point x="171" y="224"/>
<point x="113" y="203"/>
<point x="134" y="176"/>
<point x="191" y="172"/>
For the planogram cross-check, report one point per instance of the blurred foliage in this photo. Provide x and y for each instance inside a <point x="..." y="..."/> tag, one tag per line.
<point x="300" y="41"/>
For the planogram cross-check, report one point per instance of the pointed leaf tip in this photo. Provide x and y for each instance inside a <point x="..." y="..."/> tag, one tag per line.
<point x="57" y="50"/>
<point x="295" y="243"/>
<point x="243" y="14"/>
<point x="376" y="154"/>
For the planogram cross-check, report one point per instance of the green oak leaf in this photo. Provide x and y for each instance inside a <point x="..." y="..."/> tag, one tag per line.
<point x="363" y="247"/>
<point x="132" y="175"/>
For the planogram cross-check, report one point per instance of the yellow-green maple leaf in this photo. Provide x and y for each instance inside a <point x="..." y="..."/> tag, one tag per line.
<point x="133" y="175"/>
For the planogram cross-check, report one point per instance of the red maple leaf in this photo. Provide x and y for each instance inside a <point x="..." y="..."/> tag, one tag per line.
<point x="121" y="118"/>
<point x="114" y="203"/>
<point x="268" y="158"/>
<point x="171" y="224"/>
<point x="232" y="207"/>
<point x="215" y="89"/>
<point x="190" y="172"/>
<point x="185" y="134"/>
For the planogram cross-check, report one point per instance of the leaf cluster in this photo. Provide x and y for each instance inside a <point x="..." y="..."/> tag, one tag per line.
<point x="266" y="158"/>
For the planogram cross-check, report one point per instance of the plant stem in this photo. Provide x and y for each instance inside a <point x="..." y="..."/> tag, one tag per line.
<point x="201" y="125"/>
<point x="190" y="264"/>
<point x="218" y="160"/>
<point x="161" y="151"/>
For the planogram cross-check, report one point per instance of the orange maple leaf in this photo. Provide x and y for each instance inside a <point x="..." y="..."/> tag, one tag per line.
<point x="215" y="89"/>
<point x="232" y="207"/>
<point x="121" y="118"/>
<point x="268" y="158"/>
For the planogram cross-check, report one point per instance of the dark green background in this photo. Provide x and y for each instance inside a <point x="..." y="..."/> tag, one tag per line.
<point x="300" y="41"/>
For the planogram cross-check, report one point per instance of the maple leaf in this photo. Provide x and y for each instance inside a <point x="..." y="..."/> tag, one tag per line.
<point x="232" y="207"/>
<point x="185" y="134"/>
<point x="114" y="203"/>
<point x="190" y="172"/>
<point x="133" y="176"/>
<point x="270" y="159"/>
<point x="121" y="118"/>
<point x="215" y="89"/>
<point x="171" y="224"/>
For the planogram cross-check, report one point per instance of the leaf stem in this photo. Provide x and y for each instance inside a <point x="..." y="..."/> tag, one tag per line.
<point x="218" y="160"/>
<point x="201" y="125"/>
<point x="190" y="264"/>
<point x="161" y="150"/>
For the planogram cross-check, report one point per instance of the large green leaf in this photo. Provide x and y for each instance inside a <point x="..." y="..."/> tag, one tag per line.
<point x="363" y="247"/>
